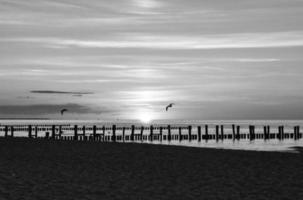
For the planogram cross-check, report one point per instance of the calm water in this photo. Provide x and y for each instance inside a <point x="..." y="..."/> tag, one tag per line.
<point x="258" y="145"/>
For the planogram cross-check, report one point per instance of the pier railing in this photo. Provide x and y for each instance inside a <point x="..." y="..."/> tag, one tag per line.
<point x="151" y="133"/>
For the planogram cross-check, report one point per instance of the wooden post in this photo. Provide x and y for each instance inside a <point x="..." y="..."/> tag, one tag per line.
<point x="94" y="132"/>
<point x="295" y="133"/>
<point x="206" y="133"/>
<point x="234" y="132"/>
<point x="123" y="134"/>
<point x="60" y="132"/>
<point x="238" y="132"/>
<point x="217" y="133"/>
<point x="222" y="132"/>
<point x="47" y="135"/>
<point x="251" y="133"/>
<point x="151" y="133"/>
<point x="132" y="133"/>
<point x="75" y="132"/>
<point x="12" y="131"/>
<point x="180" y="134"/>
<point x="199" y="134"/>
<point x="29" y="131"/>
<point x="268" y="132"/>
<point x="298" y="130"/>
<point x="53" y="132"/>
<point x="6" y="131"/>
<point x="36" y="132"/>
<point x="161" y="133"/>
<point x="114" y="133"/>
<point x="282" y="131"/>
<point x="83" y="134"/>
<point x="141" y="133"/>
<point x="189" y="133"/>
<point x="103" y="133"/>
<point x="169" y="133"/>
<point x="265" y="132"/>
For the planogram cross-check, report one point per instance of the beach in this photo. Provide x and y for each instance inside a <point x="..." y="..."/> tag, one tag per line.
<point x="46" y="169"/>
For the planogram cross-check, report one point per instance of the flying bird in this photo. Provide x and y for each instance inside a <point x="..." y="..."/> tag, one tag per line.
<point x="169" y="106"/>
<point x="63" y="110"/>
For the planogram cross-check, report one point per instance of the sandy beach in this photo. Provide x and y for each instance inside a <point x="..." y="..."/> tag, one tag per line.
<point x="41" y="169"/>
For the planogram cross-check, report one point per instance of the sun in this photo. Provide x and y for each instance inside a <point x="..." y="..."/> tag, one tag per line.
<point x="145" y="116"/>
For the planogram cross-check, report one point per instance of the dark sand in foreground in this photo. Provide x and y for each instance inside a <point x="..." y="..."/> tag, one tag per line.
<point x="39" y="169"/>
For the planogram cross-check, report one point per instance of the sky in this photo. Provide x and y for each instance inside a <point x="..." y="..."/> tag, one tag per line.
<point x="128" y="59"/>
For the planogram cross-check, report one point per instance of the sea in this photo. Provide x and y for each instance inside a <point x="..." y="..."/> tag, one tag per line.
<point x="287" y="145"/>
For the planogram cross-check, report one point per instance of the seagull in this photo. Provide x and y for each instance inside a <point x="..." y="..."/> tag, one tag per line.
<point x="169" y="106"/>
<point x="63" y="110"/>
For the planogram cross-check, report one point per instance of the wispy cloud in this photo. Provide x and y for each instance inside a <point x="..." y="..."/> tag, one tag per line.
<point x="149" y="4"/>
<point x="46" y="109"/>
<point x="246" y="60"/>
<point x="222" y="41"/>
<point x="59" y="92"/>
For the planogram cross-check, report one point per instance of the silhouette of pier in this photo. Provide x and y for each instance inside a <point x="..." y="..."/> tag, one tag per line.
<point x="163" y="133"/>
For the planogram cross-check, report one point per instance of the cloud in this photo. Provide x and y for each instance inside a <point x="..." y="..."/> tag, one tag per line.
<point x="59" y="92"/>
<point x="170" y="42"/>
<point x="25" y="97"/>
<point x="137" y="53"/>
<point x="245" y="60"/>
<point x="44" y="109"/>
<point x="147" y="4"/>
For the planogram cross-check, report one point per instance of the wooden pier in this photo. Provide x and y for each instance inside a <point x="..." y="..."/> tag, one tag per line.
<point x="150" y="133"/>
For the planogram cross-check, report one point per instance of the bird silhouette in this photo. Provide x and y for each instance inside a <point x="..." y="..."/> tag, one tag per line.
<point x="63" y="110"/>
<point x="169" y="106"/>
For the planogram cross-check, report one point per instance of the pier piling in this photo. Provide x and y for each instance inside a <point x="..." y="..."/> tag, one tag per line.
<point x="6" y="131"/>
<point x="123" y="134"/>
<point x="238" y="133"/>
<point x="161" y="133"/>
<point x="252" y="133"/>
<point x="189" y="133"/>
<point x="234" y="132"/>
<point x="12" y="131"/>
<point x="36" y="131"/>
<point x="199" y="134"/>
<point x="53" y="132"/>
<point x="206" y="133"/>
<point x="180" y="134"/>
<point x="75" y="132"/>
<point x="151" y="131"/>
<point x="222" y="132"/>
<point x="168" y="133"/>
<point x="114" y="133"/>
<point x="141" y="133"/>
<point x="94" y="133"/>
<point x="217" y="133"/>
<point x="132" y="133"/>
<point x="29" y="131"/>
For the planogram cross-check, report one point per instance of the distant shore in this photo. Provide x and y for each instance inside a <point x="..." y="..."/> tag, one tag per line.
<point x="45" y="169"/>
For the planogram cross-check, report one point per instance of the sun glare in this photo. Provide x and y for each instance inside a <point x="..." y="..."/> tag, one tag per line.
<point x="145" y="116"/>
